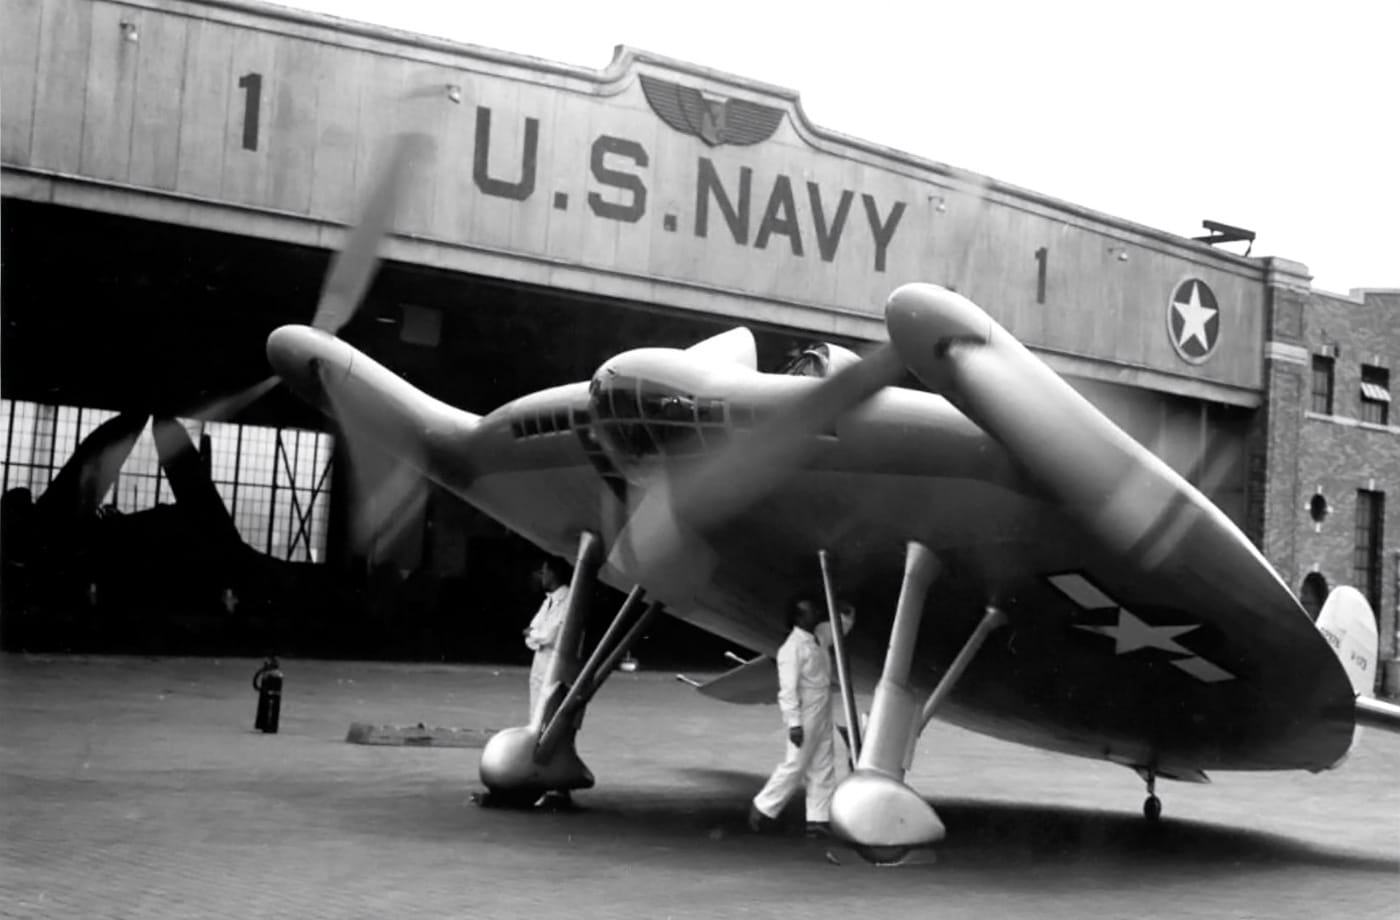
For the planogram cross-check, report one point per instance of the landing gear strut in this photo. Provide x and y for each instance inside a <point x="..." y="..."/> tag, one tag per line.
<point x="518" y="765"/>
<point x="873" y="808"/>
<point x="1152" y="806"/>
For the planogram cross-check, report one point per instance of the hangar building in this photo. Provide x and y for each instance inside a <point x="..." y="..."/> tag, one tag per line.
<point x="177" y="173"/>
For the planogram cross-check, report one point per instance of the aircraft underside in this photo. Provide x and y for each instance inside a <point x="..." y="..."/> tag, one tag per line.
<point x="1182" y="696"/>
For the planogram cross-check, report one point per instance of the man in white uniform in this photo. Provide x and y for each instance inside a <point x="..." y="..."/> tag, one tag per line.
<point x="542" y="635"/>
<point x="804" y="696"/>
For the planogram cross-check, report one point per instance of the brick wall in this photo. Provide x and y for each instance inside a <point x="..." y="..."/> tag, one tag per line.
<point x="1286" y="383"/>
<point x="1310" y="454"/>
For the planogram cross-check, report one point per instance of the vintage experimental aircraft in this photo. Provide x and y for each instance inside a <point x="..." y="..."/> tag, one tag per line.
<point x="1057" y="584"/>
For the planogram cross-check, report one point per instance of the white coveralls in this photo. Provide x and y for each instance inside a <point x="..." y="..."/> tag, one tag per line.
<point x="804" y="696"/>
<point x="542" y="638"/>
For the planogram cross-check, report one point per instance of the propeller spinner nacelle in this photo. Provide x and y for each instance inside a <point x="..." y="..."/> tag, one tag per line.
<point x="308" y="360"/>
<point x="925" y="321"/>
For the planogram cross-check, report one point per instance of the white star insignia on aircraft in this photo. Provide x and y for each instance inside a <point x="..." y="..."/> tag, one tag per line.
<point x="1132" y="634"/>
<point x="1193" y="319"/>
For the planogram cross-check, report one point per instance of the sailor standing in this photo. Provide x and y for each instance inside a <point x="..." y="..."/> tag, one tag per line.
<point x="804" y="696"/>
<point x="542" y="635"/>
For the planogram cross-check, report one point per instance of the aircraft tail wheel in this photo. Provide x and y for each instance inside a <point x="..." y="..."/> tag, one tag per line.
<point x="883" y="856"/>
<point x="1152" y="808"/>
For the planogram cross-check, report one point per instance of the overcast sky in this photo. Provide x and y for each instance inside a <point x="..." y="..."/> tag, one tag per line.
<point x="1281" y="118"/>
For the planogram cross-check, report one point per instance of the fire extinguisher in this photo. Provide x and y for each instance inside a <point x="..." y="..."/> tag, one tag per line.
<point x="268" y="682"/>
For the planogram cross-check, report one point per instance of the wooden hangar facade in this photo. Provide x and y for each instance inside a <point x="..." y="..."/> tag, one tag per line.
<point x="177" y="173"/>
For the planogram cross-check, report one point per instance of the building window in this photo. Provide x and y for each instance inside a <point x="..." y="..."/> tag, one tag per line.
<point x="273" y="481"/>
<point x="1314" y="594"/>
<point x="1375" y="395"/>
<point x="1322" y="371"/>
<point x="1366" y="557"/>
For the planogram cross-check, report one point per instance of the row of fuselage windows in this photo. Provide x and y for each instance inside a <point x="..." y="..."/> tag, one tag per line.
<point x="707" y="415"/>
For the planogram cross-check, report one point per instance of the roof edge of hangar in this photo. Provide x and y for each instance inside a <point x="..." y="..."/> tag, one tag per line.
<point x="627" y="61"/>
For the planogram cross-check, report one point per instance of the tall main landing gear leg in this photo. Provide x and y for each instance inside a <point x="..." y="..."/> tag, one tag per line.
<point x="626" y="626"/>
<point x="513" y="767"/>
<point x="843" y="661"/>
<point x="873" y="808"/>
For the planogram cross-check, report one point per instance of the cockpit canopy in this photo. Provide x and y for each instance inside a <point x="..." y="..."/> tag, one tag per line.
<point x="639" y="417"/>
<point x="652" y="402"/>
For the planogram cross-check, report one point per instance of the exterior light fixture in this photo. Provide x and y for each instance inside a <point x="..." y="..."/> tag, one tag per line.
<point x="129" y="31"/>
<point x="454" y="92"/>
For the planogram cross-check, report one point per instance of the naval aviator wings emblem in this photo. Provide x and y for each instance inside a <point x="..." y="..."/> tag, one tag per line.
<point x="714" y="121"/>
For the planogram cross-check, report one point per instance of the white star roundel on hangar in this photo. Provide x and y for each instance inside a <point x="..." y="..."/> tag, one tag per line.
<point x="1193" y="320"/>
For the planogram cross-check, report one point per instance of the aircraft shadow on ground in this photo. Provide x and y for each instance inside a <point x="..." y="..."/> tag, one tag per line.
<point x="1002" y="836"/>
<point x="706" y="808"/>
<point x="994" y="832"/>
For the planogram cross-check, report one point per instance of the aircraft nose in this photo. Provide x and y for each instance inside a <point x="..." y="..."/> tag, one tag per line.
<point x="308" y="359"/>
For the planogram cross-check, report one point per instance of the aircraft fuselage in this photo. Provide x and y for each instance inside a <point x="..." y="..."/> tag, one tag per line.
<point x="1181" y="653"/>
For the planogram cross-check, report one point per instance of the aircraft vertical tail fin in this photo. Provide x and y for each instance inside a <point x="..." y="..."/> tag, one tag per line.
<point x="1349" y="626"/>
